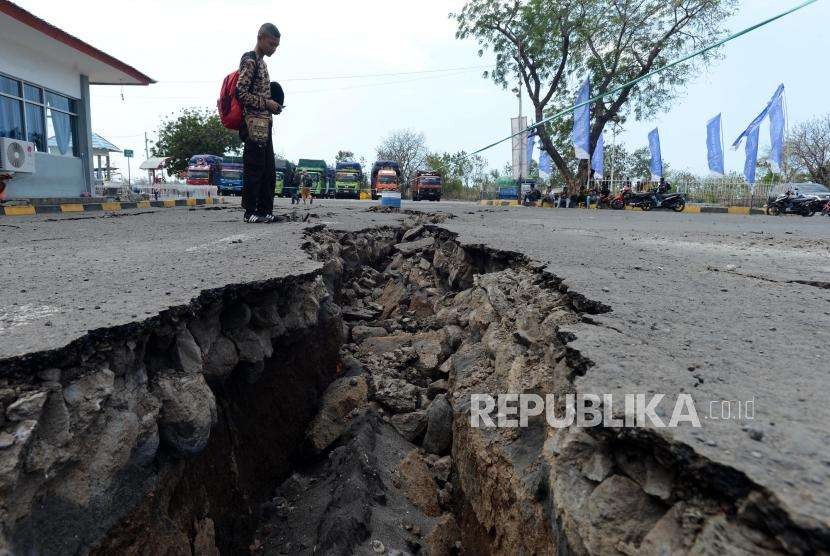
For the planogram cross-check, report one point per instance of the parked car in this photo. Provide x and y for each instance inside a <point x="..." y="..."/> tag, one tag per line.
<point x="806" y="188"/>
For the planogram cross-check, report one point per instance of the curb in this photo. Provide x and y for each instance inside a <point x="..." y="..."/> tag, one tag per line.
<point x="30" y="210"/>
<point x="690" y="209"/>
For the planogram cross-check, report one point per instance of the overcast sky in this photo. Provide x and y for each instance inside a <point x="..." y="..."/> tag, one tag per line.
<point x="189" y="46"/>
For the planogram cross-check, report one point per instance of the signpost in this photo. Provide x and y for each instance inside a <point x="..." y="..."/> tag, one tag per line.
<point x="128" y="154"/>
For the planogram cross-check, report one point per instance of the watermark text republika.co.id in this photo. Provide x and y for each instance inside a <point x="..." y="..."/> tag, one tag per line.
<point x="512" y="410"/>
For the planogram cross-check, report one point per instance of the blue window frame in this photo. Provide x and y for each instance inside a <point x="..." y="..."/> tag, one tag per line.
<point x="32" y="113"/>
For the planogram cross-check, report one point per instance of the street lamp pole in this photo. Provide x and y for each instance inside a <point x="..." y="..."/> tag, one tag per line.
<point x="518" y="92"/>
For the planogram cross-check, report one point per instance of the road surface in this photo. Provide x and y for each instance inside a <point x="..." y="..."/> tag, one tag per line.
<point x="726" y="307"/>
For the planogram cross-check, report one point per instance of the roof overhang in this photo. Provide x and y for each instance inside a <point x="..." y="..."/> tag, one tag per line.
<point x="22" y="27"/>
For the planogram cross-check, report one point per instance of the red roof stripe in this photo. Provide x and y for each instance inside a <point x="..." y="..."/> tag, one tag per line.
<point x="16" y="12"/>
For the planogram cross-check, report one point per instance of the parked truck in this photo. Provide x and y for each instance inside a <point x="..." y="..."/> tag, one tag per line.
<point x="426" y="184"/>
<point x="507" y="188"/>
<point x="284" y="186"/>
<point x="329" y="182"/>
<point x="386" y="176"/>
<point x="317" y="170"/>
<point x="230" y="176"/>
<point x="204" y="169"/>
<point x="348" y="178"/>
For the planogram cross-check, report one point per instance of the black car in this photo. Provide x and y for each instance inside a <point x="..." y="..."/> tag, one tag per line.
<point x="807" y="188"/>
<point x="808" y="198"/>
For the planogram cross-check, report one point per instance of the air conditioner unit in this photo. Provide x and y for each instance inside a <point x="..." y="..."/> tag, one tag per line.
<point x="17" y="156"/>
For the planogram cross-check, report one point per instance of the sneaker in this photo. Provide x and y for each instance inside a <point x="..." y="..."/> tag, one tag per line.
<point x="254" y="219"/>
<point x="268" y="218"/>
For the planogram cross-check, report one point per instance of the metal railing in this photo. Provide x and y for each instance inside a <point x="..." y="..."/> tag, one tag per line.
<point x="162" y="191"/>
<point x="725" y="191"/>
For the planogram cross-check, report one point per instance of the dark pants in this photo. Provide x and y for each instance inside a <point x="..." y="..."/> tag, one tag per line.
<point x="259" y="177"/>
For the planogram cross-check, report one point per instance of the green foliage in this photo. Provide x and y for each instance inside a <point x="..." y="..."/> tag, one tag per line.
<point x="194" y="131"/>
<point x="553" y="46"/>
<point x="464" y="176"/>
<point x="634" y="165"/>
<point x="344" y="156"/>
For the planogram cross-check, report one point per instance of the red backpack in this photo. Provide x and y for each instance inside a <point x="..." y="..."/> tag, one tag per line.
<point x="230" y="111"/>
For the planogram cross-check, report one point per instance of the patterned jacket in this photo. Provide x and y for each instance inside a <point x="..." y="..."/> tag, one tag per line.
<point x="253" y="94"/>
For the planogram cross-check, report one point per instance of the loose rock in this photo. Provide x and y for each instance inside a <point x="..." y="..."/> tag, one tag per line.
<point x="438" y="438"/>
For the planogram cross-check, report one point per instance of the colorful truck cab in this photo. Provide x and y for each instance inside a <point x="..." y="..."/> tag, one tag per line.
<point x="204" y="169"/>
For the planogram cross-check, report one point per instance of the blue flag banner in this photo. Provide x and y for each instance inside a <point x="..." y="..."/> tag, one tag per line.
<point x="656" y="157"/>
<point x="756" y="123"/>
<point x="598" y="160"/>
<point x="751" y="156"/>
<point x="531" y="140"/>
<point x="714" y="145"/>
<point x="545" y="165"/>
<point x="776" y="133"/>
<point x="582" y="123"/>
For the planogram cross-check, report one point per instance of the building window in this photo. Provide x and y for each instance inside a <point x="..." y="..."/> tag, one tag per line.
<point x="62" y="128"/>
<point x="9" y="86"/>
<point x="45" y="118"/>
<point x="11" y="118"/>
<point x="35" y="94"/>
<point x="35" y="126"/>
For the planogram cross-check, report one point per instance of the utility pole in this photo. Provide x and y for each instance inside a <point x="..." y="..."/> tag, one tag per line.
<point x="524" y="148"/>
<point x="146" y="147"/>
<point x="613" y="150"/>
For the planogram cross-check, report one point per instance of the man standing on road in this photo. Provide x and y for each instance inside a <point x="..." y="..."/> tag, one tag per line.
<point x="253" y="89"/>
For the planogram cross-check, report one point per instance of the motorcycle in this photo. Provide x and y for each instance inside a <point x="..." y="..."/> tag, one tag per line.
<point x="650" y="200"/>
<point x="673" y="201"/>
<point x="804" y="205"/>
<point x="531" y="197"/>
<point x="817" y="205"/>
<point x="618" y="201"/>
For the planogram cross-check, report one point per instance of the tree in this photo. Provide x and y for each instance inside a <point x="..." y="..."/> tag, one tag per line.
<point x="552" y="46"/>
<point x="638" y="164"/>
<point x="464" y="176"/>
<point x="343" y="156"/>
<point x="193" y="131"/>
<point x="808" y="149"/>
<point x="407" y="148"/>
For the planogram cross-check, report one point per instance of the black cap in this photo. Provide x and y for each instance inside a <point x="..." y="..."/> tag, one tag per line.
<point x="277" y="94"/>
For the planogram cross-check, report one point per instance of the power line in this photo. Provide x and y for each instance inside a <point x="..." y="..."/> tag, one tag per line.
<point x="329" y="89"/>
<point x="648" y="75"/>
<point x="357" y="76"/>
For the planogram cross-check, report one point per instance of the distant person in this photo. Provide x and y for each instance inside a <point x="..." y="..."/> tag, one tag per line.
<point x="253" y="89"/>
<point x="305" y="189"/>
<point x="591" y="197"/>
<point x="564" y="199"/>
<point x="605" y="191"/>
<point x="550" y="197"/>
<point x="295" y="191"/>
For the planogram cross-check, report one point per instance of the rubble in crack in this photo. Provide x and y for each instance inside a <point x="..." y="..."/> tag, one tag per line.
<point x="329" y="413"/>
<point x="399" y="470"/>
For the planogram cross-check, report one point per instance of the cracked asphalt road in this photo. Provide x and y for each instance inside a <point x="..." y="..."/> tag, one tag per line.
<point x="723" y="307"/>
